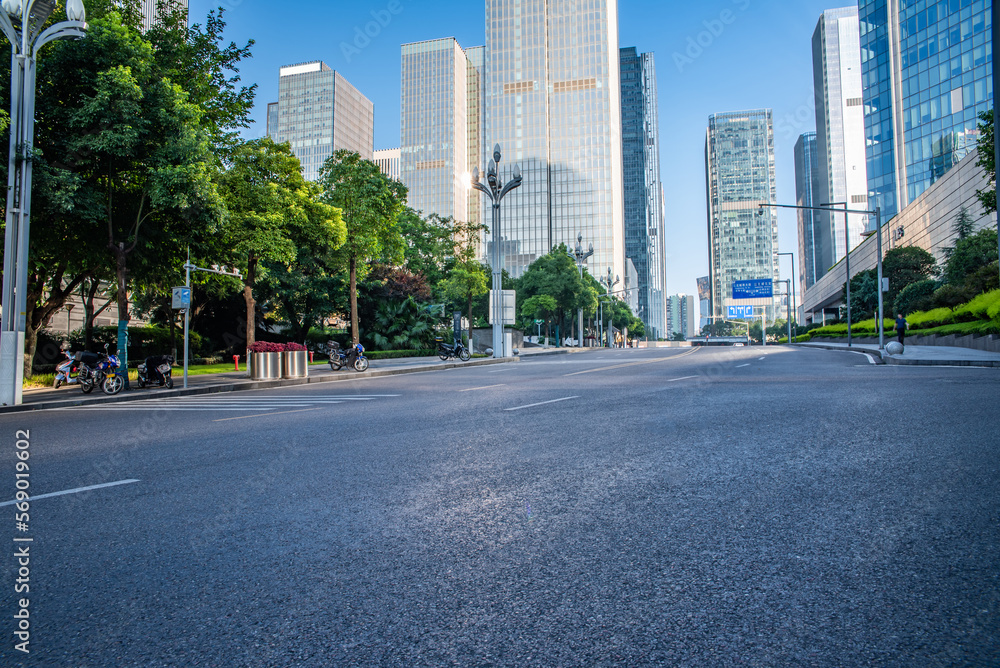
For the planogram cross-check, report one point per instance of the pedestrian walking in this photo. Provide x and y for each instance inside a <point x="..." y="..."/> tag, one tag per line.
<point x="901" y="326"/>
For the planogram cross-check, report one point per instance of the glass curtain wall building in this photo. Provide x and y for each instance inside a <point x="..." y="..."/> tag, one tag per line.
<point x="927" y="74"/>
<point x="552" y="103"/>
<point x="815" y="248"/>
<point x="434" y="127"/>
<point x="149" y="9"/>
<point x="318" y="113"/>
<point x="739" y="167"/>
<point x="641" y="186"/>
<point x="840" y="129"/>
<point x="387" y="160"/>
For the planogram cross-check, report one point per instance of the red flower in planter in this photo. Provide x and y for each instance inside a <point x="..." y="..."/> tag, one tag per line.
<point x="290" y="347"/>
<point x="266" y="347"/>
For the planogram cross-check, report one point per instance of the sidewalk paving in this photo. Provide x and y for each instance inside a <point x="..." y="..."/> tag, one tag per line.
<point x="918" y="355"/>
<point x="232" y="381"/>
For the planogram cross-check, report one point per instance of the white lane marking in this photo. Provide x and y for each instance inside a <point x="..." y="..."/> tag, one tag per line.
<point x="759" y="358"/>
<point x="674" y="380"/>
<point x="740" y="366"/>
<point x="484" y="387"/>
<point x="871" y="360"/>
<point x="73" y="491"/>
<point x="541" y="403"/>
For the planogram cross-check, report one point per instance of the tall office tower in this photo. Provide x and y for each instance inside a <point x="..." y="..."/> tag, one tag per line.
<point x="840" y="127"/>
<point x="926" y="69"/>
<point x="476" y="124"/>
<point x="739" y="169"/>
<point x="319" y="112"/>
<point x="815" y="244"/>
<point x="644" y="237"/>
<point x="388" y="160"/>
<point x="435" y="137"/>
<point x="149" y="10"/>
<point x="681" y="318"/>
<point x="704" y="301"/>
<point x="272" y="118"/>
<point x="552" y="103"/>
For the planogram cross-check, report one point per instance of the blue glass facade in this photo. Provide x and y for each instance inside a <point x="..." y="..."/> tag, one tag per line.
<point x="927" y="69"/>
<point x="641" y="186"/>
<point x="814" y="247"/>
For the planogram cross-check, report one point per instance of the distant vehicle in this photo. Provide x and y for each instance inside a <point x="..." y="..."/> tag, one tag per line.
<point x="738" y="345"/>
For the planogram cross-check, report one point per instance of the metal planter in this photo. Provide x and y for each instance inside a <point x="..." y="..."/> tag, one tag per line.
<point x="265" y="366"/>
<point x="295" y="364"/>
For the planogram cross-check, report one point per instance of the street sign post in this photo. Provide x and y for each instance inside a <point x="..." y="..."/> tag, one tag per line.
<point x="741" y="312"/>
<point x="180" y="298"/>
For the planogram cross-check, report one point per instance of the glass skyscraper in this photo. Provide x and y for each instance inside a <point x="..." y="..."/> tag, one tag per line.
<point x="552" y="103"/>
<point x="815" y="246"/>
<point x="739" y="168"/>
<point x="642" y="190"/>
<point x="439" y="126"/>
<point x="840" y="130"/>
<point x="926" y="69"/>
<point x="149" y="10"/>
<point x="318" y="113"/>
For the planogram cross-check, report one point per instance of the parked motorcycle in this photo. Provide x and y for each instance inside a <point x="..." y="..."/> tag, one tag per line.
<point x="458" y="350"/>
<point x="66" y="371"/>
<point x="89" y="373"/>
<point x="355" y="357"/>
<point x="112" y="375"/>
<point x="155" y="370"/>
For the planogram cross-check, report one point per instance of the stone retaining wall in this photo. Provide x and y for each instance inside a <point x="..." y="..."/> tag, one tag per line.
<point x="989" y="343"/>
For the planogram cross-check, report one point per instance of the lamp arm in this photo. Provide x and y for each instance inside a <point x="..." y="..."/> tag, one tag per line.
<point x="481" y="188"/>
<point x="60" y="30"/>
<point x="513" y="183"/>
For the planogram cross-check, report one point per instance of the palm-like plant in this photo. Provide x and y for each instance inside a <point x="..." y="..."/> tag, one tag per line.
<point x="403" y="325"/>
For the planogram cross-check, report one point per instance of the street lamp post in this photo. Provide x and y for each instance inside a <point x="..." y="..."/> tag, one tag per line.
<point x="22" y="21"/>
<point x="877" y="212"/>
<point x="581" y="257"/>
<point x="795" y="311"/>
<point x="496" y="191"/>
<point x="611" y="283"/>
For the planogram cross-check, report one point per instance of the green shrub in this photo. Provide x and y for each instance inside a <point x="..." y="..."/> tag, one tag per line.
<point x="915" y="297"/>
<point x="932" y="318"/>
<point x="143" y="341"/>
<point x="978" y="308"/>
<point x="977" y="328"/>
<point x="395" y="354"/>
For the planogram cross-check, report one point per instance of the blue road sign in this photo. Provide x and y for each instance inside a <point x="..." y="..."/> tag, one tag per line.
<point x="741" y="311"/>
<point x="753" y="289"/>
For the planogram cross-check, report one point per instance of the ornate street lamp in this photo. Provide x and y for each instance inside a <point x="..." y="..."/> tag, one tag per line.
<point x="495" y="191"/>
<point x="22" y="21"/>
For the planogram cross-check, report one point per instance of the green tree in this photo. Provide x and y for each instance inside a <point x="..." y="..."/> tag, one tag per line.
<point x="540" y="307"/>
<point x="429" y="246"/>
<point x="371" y="204"/>
<point x="467" y="278"/>
<point x="969" y="254"/>
<point x="864" y="293"/>
<point x="556" y="274"/>
<point x="915" y="297"/>
<point x="272" y="211"/>
<point x="905" y="265"/>
<point x="987" y="160"/>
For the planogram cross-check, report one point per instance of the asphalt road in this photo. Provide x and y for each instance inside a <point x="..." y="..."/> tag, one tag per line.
<point x="715" y="507"/>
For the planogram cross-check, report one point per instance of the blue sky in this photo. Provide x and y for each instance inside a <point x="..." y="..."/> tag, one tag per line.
<point x="711" y="56"/>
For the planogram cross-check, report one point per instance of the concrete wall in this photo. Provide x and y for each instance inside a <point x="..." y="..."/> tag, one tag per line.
<point x="927" y="222"/>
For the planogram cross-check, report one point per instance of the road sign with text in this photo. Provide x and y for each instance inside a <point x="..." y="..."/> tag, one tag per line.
<point x="741" y="312"/>
<point x="753" y="289"/>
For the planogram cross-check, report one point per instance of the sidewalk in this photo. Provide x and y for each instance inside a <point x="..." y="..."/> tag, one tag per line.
<point x="232" y="381"/>
<point x="918" y="355"/>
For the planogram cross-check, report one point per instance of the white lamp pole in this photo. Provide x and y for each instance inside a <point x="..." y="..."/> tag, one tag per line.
<point x="22" y="21"/>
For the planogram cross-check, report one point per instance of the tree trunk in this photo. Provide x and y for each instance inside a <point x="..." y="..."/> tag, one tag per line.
<point x="354" y="301"/>
<point x="40" y="306"/>
<point x="248" y="298"/>
<point x="89" y="314"/>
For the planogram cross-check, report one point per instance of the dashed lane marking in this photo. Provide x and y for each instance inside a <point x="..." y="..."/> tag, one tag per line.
<point x="541" y="403"/>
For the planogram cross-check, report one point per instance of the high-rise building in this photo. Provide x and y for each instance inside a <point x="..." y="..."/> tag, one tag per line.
<point x="680" y="316"/>
<point x="318" y="113"/>
<point x="439" y="118"/>
<point x="149" y="9"/>
<point x="840" y="128"/>
<point x="642" y="190"/>
<point x="272" y="118"/>
<point x="926" y="70"/>
<point x="552" y="103"/>
<point x="388" y="160"/>
<point x="815" y="244"/>
<point x="742" y="238"/>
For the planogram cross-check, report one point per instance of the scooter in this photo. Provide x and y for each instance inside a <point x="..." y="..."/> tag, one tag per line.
<point x="155" y="370"/>
<point x="66" y="371"/>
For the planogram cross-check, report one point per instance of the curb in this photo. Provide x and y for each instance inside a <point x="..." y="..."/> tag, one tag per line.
<point x="884" y="358"/>
<point x="237" y="386"/>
